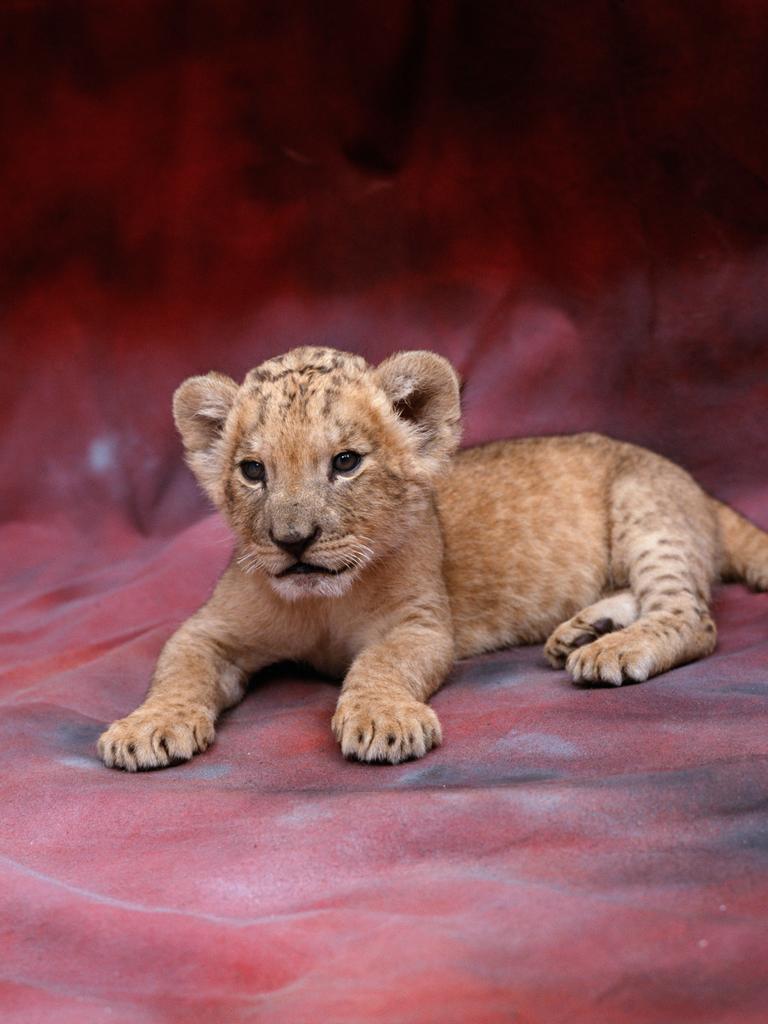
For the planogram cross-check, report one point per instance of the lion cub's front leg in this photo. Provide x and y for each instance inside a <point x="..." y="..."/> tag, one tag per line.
<point x="381" y="713"/>
<point x="193" y="682"/>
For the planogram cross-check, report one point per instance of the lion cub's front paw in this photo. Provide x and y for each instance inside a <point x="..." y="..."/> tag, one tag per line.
<point x="156" y="738"/>
<point x="387" y="731"/>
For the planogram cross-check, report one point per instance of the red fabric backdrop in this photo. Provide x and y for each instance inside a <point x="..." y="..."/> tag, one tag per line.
<point x="571" y="202"/>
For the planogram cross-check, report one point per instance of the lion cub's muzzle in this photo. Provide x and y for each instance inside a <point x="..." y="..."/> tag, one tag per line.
<point x="323" y="568"/>
<point x="306" y="568"/>
<point x="294" y="543"/>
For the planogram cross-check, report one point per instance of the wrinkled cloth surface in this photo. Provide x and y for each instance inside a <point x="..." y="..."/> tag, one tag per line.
<point x="568" y="201"/>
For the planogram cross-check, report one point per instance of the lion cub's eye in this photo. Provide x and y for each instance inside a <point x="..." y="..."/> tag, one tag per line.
<point x="345" y="462"/>
<point x="253" y="470"/>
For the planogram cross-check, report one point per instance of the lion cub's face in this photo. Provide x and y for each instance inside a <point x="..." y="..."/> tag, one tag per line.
<point x="318" y="460"/>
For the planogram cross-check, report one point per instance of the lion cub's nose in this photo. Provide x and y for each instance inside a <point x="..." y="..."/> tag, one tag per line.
<point x="294" y="544"/>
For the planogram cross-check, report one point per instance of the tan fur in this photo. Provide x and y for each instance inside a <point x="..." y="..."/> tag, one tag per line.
<point x="608" y="550"/>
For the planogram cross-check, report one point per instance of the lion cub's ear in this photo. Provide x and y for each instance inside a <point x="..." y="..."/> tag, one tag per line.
<point x="200" y="409"/>
<point x="424" y="391"/>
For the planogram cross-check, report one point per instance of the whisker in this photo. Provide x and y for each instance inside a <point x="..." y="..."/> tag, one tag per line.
<point x="250" y="560"/>
<point x="363" y="550"/>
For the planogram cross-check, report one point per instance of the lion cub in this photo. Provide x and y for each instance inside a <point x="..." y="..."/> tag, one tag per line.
<point x="367" y="548"/>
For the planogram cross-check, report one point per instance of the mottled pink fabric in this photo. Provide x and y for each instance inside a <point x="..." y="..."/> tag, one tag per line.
<point x="568" y="201"/>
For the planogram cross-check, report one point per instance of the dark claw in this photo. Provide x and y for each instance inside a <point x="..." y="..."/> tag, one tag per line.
<point x="603" y="626"/>
<point x="583" y="640"/>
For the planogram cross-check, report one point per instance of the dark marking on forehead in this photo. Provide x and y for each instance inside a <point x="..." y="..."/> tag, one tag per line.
<point x="314" y="368"/>
<point x="288" y="399"/>
<point x="257" y="376"/>
<point x="326" y="372"/>
<point x="266" y="402"/>
<point x="319" y="353"/>
<point x="266" y="375"/>
<point x="331" y="396"/>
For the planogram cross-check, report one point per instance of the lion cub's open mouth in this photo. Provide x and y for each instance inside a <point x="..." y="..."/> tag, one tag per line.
<point x="302" y="568"/>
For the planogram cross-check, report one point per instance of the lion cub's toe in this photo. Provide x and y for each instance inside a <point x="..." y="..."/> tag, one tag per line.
<point x="156" y="738"/>
<point x="576" y="632"/>
<point x="385" y="731"/>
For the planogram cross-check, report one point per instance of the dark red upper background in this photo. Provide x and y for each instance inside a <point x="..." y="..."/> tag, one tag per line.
<point x="570" y="201"/>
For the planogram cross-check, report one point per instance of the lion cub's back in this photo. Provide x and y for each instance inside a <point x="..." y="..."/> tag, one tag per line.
<point x="526" y="533"/>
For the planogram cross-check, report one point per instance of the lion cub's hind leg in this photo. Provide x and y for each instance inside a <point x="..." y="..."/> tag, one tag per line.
<point x="605" y="616"/>
<point x="663" y="539"/>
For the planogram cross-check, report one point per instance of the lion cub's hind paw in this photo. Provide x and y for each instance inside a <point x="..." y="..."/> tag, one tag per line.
<point x="385" y="732"/>
<point x="613" y="659"/>
<point x="155" y="738"/>
<point x="612" y="613"/>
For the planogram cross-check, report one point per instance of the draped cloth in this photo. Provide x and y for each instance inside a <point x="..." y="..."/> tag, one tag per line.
<point x="571" y="203"/>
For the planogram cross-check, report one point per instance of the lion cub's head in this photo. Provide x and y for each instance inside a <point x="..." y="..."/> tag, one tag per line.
<point x="320" y="461"/>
